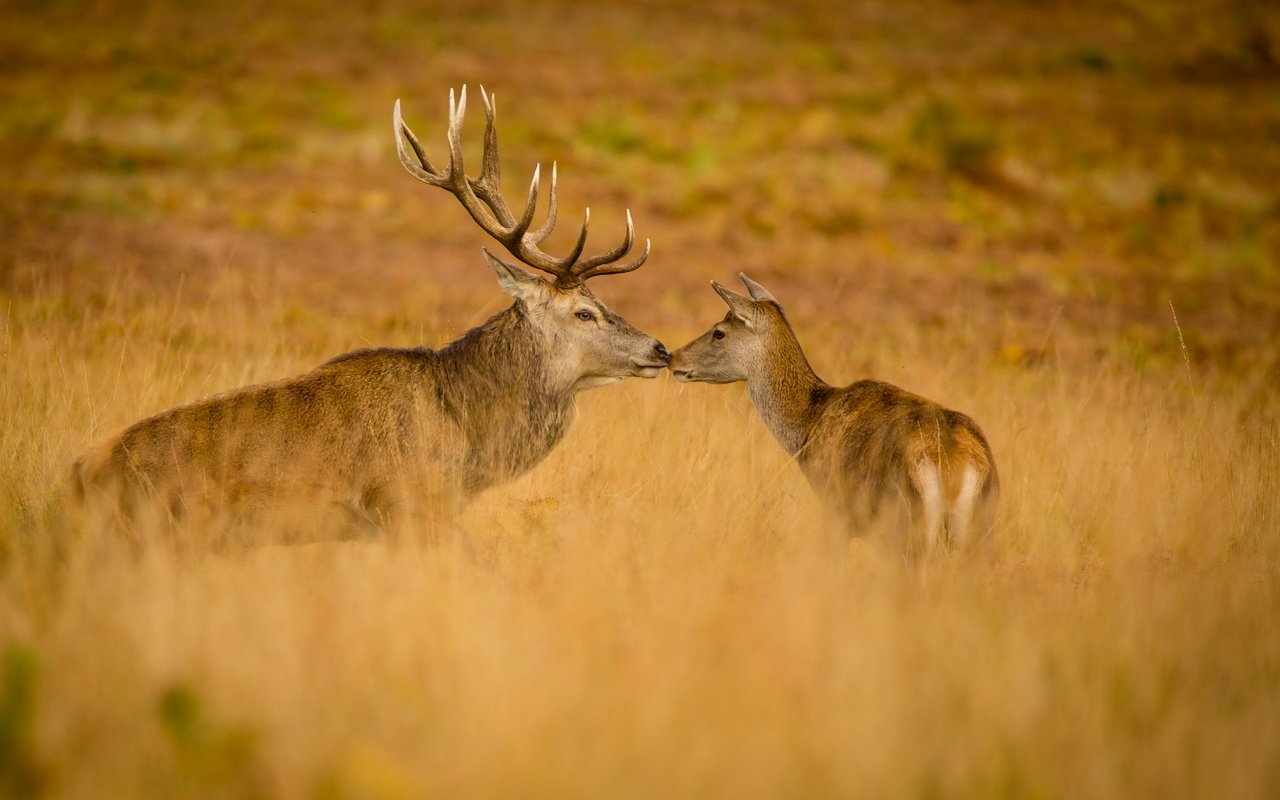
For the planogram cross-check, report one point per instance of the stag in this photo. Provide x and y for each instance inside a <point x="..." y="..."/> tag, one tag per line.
<point x="377" y="431"/>
<point x="868" y="448"/>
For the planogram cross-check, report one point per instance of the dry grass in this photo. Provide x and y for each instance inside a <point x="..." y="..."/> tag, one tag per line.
<point x="194" y="201"/>
<point x="658" y="610"/>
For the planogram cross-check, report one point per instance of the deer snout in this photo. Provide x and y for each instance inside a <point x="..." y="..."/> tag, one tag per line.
<point x="650" y="364"/>
<point x="677" y="366"/>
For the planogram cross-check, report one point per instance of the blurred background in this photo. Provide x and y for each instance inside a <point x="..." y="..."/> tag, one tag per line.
<point x="1060" y="218"/>
<point x="1051" y="175"/>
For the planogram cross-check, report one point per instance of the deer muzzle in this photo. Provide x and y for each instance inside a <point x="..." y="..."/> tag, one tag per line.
<point x="657" y="359"/>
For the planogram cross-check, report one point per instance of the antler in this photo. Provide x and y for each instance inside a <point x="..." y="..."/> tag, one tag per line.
<point x="482" y="198"/>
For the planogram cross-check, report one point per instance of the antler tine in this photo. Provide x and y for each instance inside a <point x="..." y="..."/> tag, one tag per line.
<point x="540" y="235"/>
<point x="588" y="264"/>
<point x="488" y="187"/>
<point x="492" y="217"/>
<point x="423" y="170"/>
<point x="576" y="252"/>
<point x="457" y="112"/>
<point x="615" y="270"/>
<point x="530" y="205"/>
<point x="490" y="166"/>
<point x="570" y="276"/>
<point x="566" y="263"/>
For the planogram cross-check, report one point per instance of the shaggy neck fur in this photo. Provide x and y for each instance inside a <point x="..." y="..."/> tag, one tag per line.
<point x="495" y="382"/>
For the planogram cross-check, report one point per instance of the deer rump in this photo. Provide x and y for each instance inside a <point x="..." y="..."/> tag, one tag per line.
<point x="896" y="464"/>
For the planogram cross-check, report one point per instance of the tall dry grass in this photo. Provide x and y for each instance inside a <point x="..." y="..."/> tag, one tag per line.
<point x="660" y="609"/>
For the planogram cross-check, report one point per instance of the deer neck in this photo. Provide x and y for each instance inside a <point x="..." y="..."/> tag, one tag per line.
<point x="786" y="392"/>
<point x="502" y="393"/>
<point x="504" y="357"/>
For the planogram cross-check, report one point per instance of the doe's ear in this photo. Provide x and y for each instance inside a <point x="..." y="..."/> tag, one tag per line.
<point x="757" y="291"/>
<point x="515" y="281"/>
<point x="741" y="307"/>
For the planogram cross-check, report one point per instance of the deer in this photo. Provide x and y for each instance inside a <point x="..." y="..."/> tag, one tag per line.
<point x="883" y="458"/>
<point x="377" y="431"/>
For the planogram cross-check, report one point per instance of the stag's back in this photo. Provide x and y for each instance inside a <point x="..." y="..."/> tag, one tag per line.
<point x="351" y="431"/>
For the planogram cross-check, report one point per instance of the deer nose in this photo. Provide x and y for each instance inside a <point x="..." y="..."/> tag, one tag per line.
<point x="660" y="351"/>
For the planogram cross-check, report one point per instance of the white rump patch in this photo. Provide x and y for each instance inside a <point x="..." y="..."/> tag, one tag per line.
<point x="928" y="482"/>
<point x="961" y="516"/>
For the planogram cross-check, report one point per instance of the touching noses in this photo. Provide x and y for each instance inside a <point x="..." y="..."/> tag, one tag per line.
<point x="660" y="350"/>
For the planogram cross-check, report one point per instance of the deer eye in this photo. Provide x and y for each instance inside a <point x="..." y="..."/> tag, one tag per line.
<point x="717" y="334"/>
<point x="585" y="316"/>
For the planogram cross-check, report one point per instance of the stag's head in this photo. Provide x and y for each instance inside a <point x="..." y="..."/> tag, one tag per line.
<point x="736" y="345"/>
<point x="592" y="344"/>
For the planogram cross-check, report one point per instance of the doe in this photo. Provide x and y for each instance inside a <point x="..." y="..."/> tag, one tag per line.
<point x="868" y="448"/>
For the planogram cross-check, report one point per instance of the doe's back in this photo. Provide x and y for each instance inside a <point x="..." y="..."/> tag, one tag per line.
<point x="874" y="447"/>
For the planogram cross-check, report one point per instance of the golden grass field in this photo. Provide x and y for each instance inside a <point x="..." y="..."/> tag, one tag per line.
<point x="996" y="205"/>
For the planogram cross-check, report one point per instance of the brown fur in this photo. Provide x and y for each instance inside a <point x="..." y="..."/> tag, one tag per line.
<point x="373" y="430"/>
<point x="859" y="446"/>
<point x="377" y="431"/>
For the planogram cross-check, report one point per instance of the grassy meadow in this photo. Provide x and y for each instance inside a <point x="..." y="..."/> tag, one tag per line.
<point x="1064" y="222"/>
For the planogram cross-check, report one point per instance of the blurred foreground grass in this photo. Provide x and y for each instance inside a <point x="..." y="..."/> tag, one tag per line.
<point x="997" y="205"/>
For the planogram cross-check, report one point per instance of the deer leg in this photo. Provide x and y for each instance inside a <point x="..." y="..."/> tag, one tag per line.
<point x="960" y="517"/>
<point x="928" y="484"/>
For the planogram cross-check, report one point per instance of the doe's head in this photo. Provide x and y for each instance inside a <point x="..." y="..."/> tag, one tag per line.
<point x="735" y="346"/>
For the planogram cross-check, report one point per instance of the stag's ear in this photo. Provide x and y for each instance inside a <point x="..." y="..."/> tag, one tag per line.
<point x="516" y="282"/>
<point x="741" y="307"/>
<point x="757" y="291"/>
